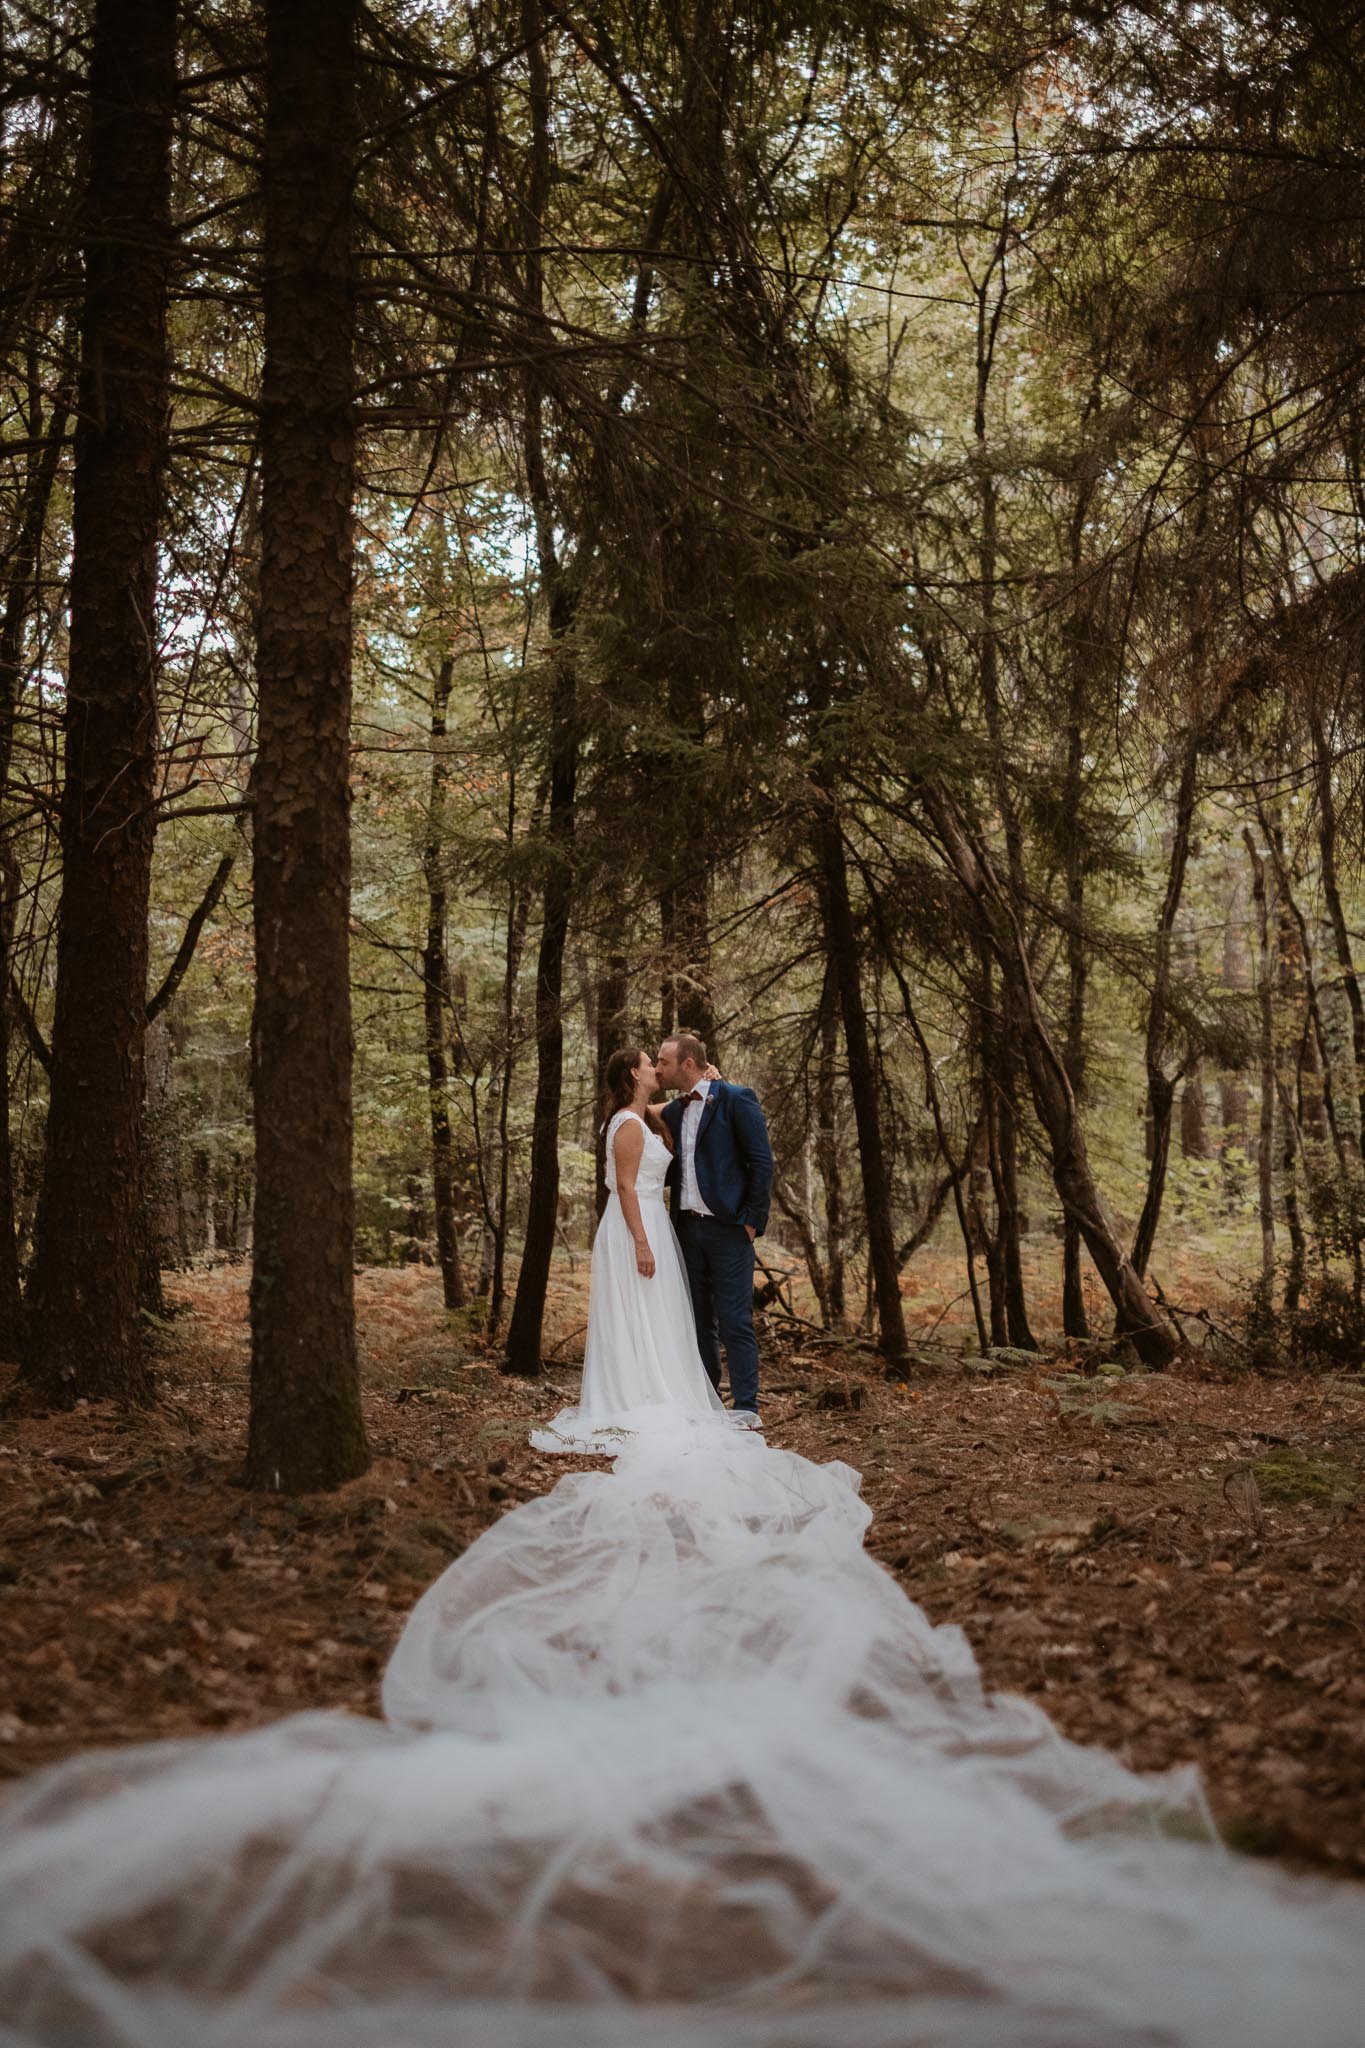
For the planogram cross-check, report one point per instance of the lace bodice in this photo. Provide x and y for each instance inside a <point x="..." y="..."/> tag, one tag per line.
<point x="649" y="1181"/>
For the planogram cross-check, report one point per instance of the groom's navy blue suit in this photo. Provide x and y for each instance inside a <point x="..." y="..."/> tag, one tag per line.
<point x="734" y="1168"/>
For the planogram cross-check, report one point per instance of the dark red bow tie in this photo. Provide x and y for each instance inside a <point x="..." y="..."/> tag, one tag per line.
<point x="695" y="1096"/>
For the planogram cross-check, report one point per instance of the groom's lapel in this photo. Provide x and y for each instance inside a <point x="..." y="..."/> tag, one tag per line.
<point x="708" y="1110"/>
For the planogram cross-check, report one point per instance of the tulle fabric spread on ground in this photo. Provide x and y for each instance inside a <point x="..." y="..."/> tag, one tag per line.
<point x="667" y="1760"/>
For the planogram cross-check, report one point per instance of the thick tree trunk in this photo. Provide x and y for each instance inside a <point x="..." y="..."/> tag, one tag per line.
<point x="436" y="1006"/>
<point x="307" y="1429"/>
<point x="842" y="947"/>
<point x="1073" y="1177"/>
<point x="85" y="1331"/>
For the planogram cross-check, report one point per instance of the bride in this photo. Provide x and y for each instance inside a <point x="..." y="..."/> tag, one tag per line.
<point x="641" y="1352"/>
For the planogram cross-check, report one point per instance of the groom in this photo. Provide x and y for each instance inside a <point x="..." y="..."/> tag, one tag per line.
<point x="721" y="1179"/>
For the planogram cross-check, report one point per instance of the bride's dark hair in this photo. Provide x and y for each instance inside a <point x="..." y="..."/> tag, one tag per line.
<point x="618" y="1089"/>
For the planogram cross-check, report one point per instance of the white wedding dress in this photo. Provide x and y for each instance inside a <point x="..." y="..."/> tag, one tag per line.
<point x="641" y="1365"/>
<point x="667" y="1762"/>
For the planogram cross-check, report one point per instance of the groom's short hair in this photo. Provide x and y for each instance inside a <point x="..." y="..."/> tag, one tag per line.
<point x="690" y="1047"/>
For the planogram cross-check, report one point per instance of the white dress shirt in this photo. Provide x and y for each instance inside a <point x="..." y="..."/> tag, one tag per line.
<point x="692" y="1113"/>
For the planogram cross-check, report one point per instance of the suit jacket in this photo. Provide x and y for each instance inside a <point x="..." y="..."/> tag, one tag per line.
<point x="734" y="1158"/>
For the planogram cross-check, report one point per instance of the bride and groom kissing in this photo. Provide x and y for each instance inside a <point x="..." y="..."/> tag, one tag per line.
<point x="669" y="1293"/>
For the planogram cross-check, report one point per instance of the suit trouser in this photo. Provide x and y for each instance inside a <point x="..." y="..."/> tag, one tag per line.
<point x="720" y="1269"/>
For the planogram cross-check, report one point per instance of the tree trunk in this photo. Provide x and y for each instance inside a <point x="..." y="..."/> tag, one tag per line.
<point x="1004" y="1265"/>
<point x="542" y="1215"/>
<point x="24" y="561"/>
<point x="1139" y="1316"/>
<point x="613" y="1029"/>
<point x="1319" y="1115"/>
<point x="990" y="1236"/>
<point x="84" y="1324"/>
<point x="1194" y="1134"/>
<point x="159" y="1140"/>
<point x="1331" y="889"/>
<point x="436" y="1006"/>
<point x="843" y="955"/>
<point x="307" y="1430"/>
<point x="1161" y="1086"/>
<point x="1081" y="665"/>
<point x="528" y="1308"/>
<point x="1232" y="1086"/>
<point x="1265" y="1162"/>
<point x="1007" y="1207"/>
<point x="685" y="915"/>
<point x="827" y="1153"/>
<point x="11" y="1300"/>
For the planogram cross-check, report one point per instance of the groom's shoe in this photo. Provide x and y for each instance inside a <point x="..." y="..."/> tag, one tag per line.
<point x="745" y="1418"/>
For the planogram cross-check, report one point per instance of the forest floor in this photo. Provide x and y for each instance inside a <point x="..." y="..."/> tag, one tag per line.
<point x="1172" y="1565"/>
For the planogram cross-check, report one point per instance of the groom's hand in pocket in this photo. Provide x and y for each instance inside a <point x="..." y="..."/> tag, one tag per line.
<point x="644" y="1260"/>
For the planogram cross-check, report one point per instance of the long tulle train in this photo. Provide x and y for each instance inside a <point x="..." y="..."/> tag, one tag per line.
<point x="667" y="1760"/>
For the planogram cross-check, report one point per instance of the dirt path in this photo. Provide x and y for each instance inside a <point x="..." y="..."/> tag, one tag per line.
<point x="1172" y="1566"/>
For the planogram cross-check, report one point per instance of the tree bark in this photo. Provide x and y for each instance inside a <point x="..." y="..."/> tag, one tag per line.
<point x="84" y="1326"/>
<point x="684" y="905"/>
<point x="1265" y="1163"/>
<point x="1073" y="1177"/>
<point x="436" y="1005"/>
<point x="1080" y="667"/>
<point x="23" y="561"/>
<point x="1194" y="1134"/>
<point x="1004" y="1264"/>
<point x="827" y="1153"/>
<point x="542" y="1215"/>
<point x="1331" y="889"/>
<point x="1161" y="1086"/>
<point x="843" y="955"/>
<point x="528" y="1308"/>
<point x="1232" y="1087"/>
<point x="613" y="1031"/>
<point x="11" y="1297"/>
<point x="307" y="1429"/>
